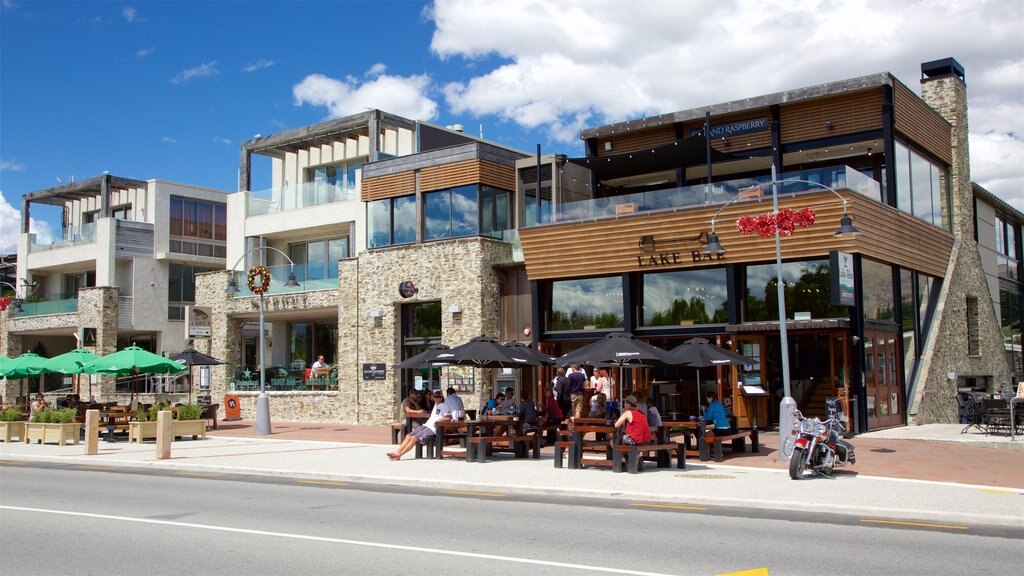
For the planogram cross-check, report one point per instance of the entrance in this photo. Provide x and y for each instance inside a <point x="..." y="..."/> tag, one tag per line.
<point x="884" y="388"/>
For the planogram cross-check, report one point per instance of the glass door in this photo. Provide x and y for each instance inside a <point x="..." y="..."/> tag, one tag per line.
<point x="882" y="380"/>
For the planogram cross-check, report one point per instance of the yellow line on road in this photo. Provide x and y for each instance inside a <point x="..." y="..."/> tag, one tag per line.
<point x="751" y="572"/>
<point x="202" y="474"/>
<point x="323" y="483"/>
<point x="474" y="494"/>
<point x="96" y="467"/>
<point x="943" y="526"/>
<point x="12" y="462"/>
<point x="668" y="506"/>
<point x="990" y="491"/>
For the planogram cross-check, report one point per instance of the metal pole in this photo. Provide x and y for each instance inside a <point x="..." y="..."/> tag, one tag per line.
<point x="788" y="405"/>
<point x="262" y="401"/>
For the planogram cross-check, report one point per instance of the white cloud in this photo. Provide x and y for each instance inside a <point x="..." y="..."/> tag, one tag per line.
<point x="201" y="71"/>
<point x="168" y="140"/>
<point x="376" y="70"/>
<point x="402" y="95"/>
<point x="221" y="140"/>
<point x="259" y="65"/>
<point x="10" y="228"/>
<point x="587" y="63"/>
<point x="130" y="14"/>
<point x="144" y="53"/>
<point x="11" y="165"/>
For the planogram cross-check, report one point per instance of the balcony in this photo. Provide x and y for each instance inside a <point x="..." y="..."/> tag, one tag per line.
<point x="72" y="236"/>
<point x="295" y="197"/>
<point x="279" y="275"/>
<point x="48" y="304"/>
<point x="717" y="193"/>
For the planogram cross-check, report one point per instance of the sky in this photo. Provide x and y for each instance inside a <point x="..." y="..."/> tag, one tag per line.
<point x="170" y="90"/>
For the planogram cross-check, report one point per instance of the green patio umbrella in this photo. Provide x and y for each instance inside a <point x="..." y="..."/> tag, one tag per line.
<point x="131" y="361"/>
<point x="27" y="365"/>
<point x="69" y="363"/>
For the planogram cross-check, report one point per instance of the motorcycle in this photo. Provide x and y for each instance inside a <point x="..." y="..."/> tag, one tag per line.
<point x="818" y="445"/>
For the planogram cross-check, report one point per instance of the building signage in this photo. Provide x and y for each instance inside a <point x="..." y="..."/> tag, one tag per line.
<point x="198" y="322"/>
<point x="734" y="128"/>
<point x="374" y="371"/>
<point x="842" y="280"/>
<point x="407" y="289"/>
<point x="659" y="253"/>
<point x="88" y="337"/>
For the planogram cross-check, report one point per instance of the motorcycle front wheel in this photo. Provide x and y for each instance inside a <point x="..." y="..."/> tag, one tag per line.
<point x="797" y="464"/>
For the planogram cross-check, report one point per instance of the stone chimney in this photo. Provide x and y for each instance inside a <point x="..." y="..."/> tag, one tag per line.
<point x="943" y="88"/>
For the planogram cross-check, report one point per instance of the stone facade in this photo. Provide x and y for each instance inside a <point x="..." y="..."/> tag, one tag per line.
<point x="453" y="272"/>
<point x="946" y="346"/>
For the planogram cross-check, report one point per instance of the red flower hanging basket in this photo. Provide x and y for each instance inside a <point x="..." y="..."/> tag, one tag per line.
<point x="785" y="221"/>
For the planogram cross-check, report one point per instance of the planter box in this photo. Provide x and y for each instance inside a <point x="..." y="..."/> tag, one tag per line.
<point x="45" y="432"/>
<point x="139" y="431"/>
<point x="14" y="429"/>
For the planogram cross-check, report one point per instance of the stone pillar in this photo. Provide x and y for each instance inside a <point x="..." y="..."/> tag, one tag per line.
<point x="947" y="95"/>
<point x="98" y="308"/>
<point x="10" y="346"/>
<point x="350" y="316"/>
<point x="225" y="332"/>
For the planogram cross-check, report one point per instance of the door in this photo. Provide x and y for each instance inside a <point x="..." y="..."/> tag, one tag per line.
<point x="884" y="387"/>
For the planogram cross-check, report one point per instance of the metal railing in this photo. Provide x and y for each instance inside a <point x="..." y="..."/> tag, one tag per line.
<point x="296" y="196"/>
<point x="278" y="277"/>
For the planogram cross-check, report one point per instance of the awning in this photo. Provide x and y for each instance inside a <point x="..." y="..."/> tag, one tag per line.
<point x="679" y="154"/>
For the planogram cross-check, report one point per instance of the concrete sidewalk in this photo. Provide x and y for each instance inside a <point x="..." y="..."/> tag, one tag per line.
<point x="744" y="481"/>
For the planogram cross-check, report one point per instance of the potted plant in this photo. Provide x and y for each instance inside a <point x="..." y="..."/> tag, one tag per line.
<point x="53" y="425"/>
<point x="190" y="421"/>
<point x="12" y="424"/>
<point x="186" y="423"/>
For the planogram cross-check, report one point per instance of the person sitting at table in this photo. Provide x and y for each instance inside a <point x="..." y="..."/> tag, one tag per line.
<point x="493" y="403"/>
<point x="424" y="432"/>
<point x="715" y="414"/>
<point x="551" y="415"/>
<point x="634" y="424"/>
<point x="653" y="415"/>
<point x="319" y="364"/>
<point x="455" y="403"/>
<point x="38" y="404"/>
<point x="527" y="411"/>
<point x="598" y="406"/>
<point x="412" y="409"/>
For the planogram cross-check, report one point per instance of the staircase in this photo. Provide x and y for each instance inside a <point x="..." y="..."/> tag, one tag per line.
<point x="814" y="403"/>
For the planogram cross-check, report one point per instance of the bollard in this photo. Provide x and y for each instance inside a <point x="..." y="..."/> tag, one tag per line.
<point x="92" y="432"/>
<point x="164" y="436"/>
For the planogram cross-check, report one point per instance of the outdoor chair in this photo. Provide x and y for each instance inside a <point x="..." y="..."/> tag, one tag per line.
<point x="210" y="414"/>
<point x="996" y="415"/>
<point x="971" y="412"/>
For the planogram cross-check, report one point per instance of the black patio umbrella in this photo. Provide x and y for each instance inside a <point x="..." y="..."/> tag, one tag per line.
<point x="699" y="353"/>
<point x="484" y="352"/>
<point x="423" y="359"/>
<point x="520" y="349"/>
<point x="618" y="349"/>
<point x="192" y="357"/>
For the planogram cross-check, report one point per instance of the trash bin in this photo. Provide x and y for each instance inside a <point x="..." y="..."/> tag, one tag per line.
<point x="232" y="410"/>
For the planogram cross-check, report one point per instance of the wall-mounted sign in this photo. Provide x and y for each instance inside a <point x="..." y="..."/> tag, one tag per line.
<point x="734" y="128"/>
<point x="197" y="321"/>
<point x="407" y="289"/>
<point x="842" y="281"/>
<point x="374" y="371"/>
<point x="665" y="251"/>
<point x="88" y="336"/>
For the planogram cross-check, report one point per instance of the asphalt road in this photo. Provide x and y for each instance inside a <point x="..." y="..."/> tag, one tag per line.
<point x="103" y="521"/>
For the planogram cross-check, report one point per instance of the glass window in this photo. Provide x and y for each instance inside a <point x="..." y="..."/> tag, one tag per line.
<point x="204" y="213"/>
<point x="921" y="183"/>
<point x="927" y="296"/>
<point x="586" y="304"/>
<point x="903" y="190"/>
<point x="198" y="219"/>
<point x="336" y="250"/>
<point x="876" y="279"/>
<point x="405" y="220"/>
<point x="316" y="260"/>
<point x="465" y="211"/>
<point x="177" y="223"/>
<point x="685" y="297"/>
<point x="438" y="214"/>
<point x="190" y="217"/>
<point x="378" y="226"/>
<point x="181" y="286"/>
<point x="220" y="219"/>
<point x="426" y="320"/>
<point x="909" y="314"/>
<point x="806" y="286"/>
<point x="494" y="210"/>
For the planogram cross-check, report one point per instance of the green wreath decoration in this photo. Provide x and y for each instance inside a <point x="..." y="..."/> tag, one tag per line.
<point x="264" y="276"/>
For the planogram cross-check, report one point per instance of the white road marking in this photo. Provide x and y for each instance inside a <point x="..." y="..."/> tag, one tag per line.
<point x="336" y="541"/>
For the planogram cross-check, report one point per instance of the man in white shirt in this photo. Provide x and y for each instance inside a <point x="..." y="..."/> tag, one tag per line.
<point x="424" y="432"/>
<point x="319" y="364"/>
<point x="454" y="402"/>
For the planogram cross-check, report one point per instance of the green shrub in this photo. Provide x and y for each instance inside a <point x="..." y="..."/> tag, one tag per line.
<point x="149" y="415"/>
<point x="63" y="415"/>
<point x="12" y="414"/>
<point x="43" y="415"/>
<point x="190" y="411"/>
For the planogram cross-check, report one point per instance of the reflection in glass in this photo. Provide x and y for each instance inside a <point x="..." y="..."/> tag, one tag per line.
<point x="909" y="313"/>
<point x="378" y="223"/>
<point x="876" y="278"/>
<point x="591" y="303"/>
<point x="806" y="288"/>
<point x="438" y="214"/>
<point x="404" y="222"/>
<point x="685" y="297"/>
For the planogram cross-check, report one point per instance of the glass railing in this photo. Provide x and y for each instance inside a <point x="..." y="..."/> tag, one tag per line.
<point x="836" y="177"/>
<point x="294" y="197"/>
<point x="278" y="277"/>
<point x="512" y="237"/>
<point x="72" y="236"/>
<point x="284" y="379"/>
<point x="48" y="304"/>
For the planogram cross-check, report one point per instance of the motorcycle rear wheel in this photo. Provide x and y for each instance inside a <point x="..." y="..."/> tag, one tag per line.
<point x="797" y="464"/>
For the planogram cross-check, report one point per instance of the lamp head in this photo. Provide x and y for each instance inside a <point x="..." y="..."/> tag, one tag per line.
<point x="714" y="247"/>
<point x="232" y="286"/>
<point x="846" y="228"/>
<point x="16" y="306"/>
<point x="291" y="283"/>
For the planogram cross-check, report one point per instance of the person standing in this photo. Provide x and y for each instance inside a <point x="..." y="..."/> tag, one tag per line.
<point x="562" y="394"/>
<point x="577" y="382"/>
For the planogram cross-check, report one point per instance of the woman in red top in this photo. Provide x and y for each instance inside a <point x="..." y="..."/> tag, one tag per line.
<point x="637" y="430"/>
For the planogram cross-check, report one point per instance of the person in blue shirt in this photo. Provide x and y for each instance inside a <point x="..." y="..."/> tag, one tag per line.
<point x="715" y="413"/>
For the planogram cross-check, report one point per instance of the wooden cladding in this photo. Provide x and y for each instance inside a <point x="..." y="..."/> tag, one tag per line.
<point x="832" y="116"/>
<point x="919" y="122"/>
<point x="612" y="245"/>
<point x="390" y="186"/>
<point x="627" y="142"/>
<point x="439" y="178"/>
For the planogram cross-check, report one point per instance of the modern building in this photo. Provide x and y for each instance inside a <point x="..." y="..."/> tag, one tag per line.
<point x="122" y="272"/>
<point x="631" y="237"/>
<point x="354" y="208"/>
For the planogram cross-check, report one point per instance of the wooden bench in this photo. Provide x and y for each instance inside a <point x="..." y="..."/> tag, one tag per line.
<point x="632" y="453"/>
<point x="446" y="432"/>
<point x="397" y="432"/>
<point x="735" y="440"/>
<point x="478" y="446"/>
<point x="579" y="444"/>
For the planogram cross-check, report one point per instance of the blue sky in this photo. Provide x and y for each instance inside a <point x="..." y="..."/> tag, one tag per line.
<point x="169" y="90"/>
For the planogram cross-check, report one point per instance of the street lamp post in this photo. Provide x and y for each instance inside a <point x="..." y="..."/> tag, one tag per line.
<point x="787" y="406"/>
<point x="262" y="401"/>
